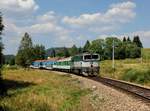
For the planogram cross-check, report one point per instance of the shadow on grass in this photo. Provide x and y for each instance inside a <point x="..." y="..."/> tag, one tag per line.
<point x="6" y="85"/>
<point x="31" y="107"/>
<point x="4" y="108"/>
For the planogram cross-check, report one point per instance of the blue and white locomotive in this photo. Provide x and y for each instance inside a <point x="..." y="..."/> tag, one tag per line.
<point x="85" y="64"/>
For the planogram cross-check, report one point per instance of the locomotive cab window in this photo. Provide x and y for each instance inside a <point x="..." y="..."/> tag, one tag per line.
<point x="95" y="57"/>
<point x="87" y="57"/>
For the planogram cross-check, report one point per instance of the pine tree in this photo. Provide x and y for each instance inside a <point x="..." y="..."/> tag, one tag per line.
<point x="128" y="39"/>
<point x="25" y="53"/>
<point x="137" y="41"/>
<point x="124" y="39"/>
<point x="86" y="46"/>
<point x="26" y="42"/>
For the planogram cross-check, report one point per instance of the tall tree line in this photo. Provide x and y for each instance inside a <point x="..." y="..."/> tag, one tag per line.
<point x="125" y="48"/>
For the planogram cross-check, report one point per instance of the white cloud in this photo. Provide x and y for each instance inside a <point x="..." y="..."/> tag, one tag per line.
<point x="142" y="34"/>
<point x="117" y="14"/>
<point x="103" y="29"/>
<point x="42" y="28"/>
<point x="47" y="17"/>
<point x="46" y="25"/>
<point x="126" y="5"/>
<point x="18" y="6"/>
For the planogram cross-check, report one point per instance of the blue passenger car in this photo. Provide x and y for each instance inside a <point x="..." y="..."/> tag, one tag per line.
<point x="43" y="64"/>
<point x="48" y="64"/>
<point x="36" y="64"/>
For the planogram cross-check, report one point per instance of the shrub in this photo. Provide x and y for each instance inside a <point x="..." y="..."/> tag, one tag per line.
<point x="140" y="77"/>
<point x="147" y="76"/>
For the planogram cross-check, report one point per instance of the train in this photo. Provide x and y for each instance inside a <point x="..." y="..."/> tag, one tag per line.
<point x="86" y="64"/>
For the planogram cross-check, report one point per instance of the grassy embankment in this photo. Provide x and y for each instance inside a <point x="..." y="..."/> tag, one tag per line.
<point x="133" y="70"/>
<point x="35" y="90"/>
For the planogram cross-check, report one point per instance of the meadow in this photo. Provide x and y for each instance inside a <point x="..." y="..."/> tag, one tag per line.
<point x="40" y="90"/>
<point x="132" y="70"/>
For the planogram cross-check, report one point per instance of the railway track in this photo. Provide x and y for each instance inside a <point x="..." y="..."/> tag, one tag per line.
<point x="143" y="92"/>
<point x="132" y="88"/>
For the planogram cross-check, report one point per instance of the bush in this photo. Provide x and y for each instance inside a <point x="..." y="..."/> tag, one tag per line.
<point x="140" y="77"/>
<point x="147" y="76"/>
<point x="8" y="67"/>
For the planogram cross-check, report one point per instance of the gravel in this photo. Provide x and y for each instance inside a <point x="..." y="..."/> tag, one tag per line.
<point x="105" y="98"/>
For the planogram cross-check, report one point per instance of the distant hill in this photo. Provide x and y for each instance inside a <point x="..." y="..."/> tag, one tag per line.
<point x="58" y="51"/>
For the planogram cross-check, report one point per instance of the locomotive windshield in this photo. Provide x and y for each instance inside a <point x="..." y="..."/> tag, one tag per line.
<point x="95" y="57"/>
<point x="91" y="57"/>
<point x="87" y="57"/>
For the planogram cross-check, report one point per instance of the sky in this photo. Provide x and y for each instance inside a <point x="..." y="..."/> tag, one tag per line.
<point x="63" y="23"/>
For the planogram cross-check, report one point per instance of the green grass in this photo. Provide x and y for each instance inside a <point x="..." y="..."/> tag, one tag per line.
<point x="146" y="54"/>
<point x="8" y="67"/>
<point x="137" y="76"/>
<point x="35" y="90"/>
<point x="133" y="70"/>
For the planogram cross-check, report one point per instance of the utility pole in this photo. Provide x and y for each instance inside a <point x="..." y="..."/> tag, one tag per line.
<point x="113" y="56"/>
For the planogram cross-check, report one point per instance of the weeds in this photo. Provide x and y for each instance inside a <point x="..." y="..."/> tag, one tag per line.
<point x="137" y="76"/>
<point x="132" y="70"/>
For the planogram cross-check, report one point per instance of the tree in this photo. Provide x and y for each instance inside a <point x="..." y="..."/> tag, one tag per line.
<point x="136" y="40"/>
<point x="132" y="51"/>
<point x="80" y="50"/>
<point x="39" y="52"/>
<point x="8" y="58"/>
<point x="74" y="50"/>
<point x="2" y="87"/>
<point x="1" y="44"/>
<point x="26" y="42"/>
<point x="109" y="46"/>
<point x="97" y="46"/>
<point x="12" y="61"/>
<point x="24" y="56"/>
<point x="53" y="53"/>
<point x="120" y="51"/>
<point x="66" y="52"/>
<point x="124" y="39"/>
<point x="86" y="46"/>
<point x="128" y="39"/>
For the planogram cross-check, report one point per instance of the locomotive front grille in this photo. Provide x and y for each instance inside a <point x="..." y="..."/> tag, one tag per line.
<point x="91" y="71"/>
